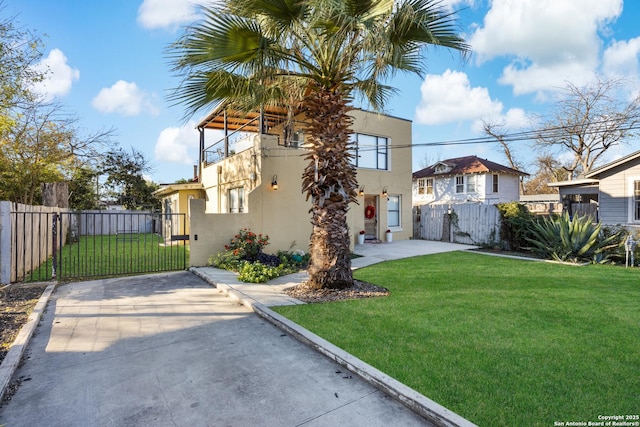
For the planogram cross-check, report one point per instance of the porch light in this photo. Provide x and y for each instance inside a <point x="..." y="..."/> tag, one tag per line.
<point x="384" y="192"/>
<point x="361" y="191"/>
<point x="274" y="182"/>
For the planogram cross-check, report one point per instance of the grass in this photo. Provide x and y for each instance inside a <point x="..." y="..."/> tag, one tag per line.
<point x="111" y="255"/>
<point x="499" y="341"/>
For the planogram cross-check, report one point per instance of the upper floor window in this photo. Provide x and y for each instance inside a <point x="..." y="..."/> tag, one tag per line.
<point x="425" y="186"/>
<point x="472" y="183"/>
<point x="495" y="182"/>
<point x="459" y="184"/>
<point x="370" y="151"/>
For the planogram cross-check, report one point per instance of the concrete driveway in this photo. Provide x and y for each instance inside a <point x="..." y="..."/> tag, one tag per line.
<point x="170" y="349"/>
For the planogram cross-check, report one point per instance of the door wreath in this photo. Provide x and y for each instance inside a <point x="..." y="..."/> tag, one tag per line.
<point x="369" y="212"/>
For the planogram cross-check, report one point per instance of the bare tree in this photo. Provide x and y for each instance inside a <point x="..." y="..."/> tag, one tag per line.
<point x="497" y="131"/>
<point x="588" y="121"/>
<point x="548" y="169"/>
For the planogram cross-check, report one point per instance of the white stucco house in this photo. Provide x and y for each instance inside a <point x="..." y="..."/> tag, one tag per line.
<point x="467" y="179"/>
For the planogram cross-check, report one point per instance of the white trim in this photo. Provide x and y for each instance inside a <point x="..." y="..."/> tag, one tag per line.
<point x="630" y="199"/>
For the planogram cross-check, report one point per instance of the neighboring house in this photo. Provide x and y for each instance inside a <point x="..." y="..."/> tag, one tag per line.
<point x="611" y="192"/>
<point x="175" y="200"/>
<point x="467" y="179"/>
<point x="252" y="178"/>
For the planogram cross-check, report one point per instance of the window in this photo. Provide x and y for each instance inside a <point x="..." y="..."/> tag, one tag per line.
<point x="636" y="200"/>
<point x="459" y="184"/>
<point x="167" y="209"/>
<point x="429" y="186"/>
<point x="236" y="200"/>
<point x="369" y="151"/>
<point x="472" y="183"/>
<point x="495" y="182"/>
<point x="423" y="186"/>
<point x="393" y="211"/>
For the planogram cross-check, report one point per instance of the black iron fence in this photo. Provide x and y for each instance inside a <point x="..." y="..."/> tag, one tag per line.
<point x="90" y="244"/>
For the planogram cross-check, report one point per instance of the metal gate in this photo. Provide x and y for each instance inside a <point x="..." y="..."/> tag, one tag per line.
<point x="90" y="244"/>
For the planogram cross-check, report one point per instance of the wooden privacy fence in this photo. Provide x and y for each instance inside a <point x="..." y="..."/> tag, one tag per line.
<point x="26" y="238"/>
<point x="460" y="223"/>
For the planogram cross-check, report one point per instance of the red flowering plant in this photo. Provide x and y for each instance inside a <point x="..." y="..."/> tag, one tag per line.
<point x="247" y="245"/>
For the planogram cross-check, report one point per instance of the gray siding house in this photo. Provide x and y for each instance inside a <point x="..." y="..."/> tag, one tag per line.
<point x="613" y="190"/>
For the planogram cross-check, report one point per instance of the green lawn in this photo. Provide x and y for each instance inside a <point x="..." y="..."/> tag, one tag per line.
<point x="111" y="255"/>
<point x="499" y="341"/>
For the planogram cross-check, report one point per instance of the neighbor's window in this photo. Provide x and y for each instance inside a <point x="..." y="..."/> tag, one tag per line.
<point x="472" y="183"/>
<point x="429" y="186"/>
<point x="636" y="200"/>
<point x="393" y="211"/>
<point x="236" y="200"/>
<point x="495" y="182"/>
<point x="421" y="185"/>
<point x="459" y="184"/>
<point x="167" y="209"/>
<point x="370" y="151"/>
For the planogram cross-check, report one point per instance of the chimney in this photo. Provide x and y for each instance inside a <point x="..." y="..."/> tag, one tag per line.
<point x="195" y="173"/>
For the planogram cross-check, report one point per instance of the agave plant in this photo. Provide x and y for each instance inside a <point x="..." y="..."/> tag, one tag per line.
<point x="576" y="239"/>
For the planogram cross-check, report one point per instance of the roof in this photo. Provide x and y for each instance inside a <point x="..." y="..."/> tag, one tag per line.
<point x="249" y="121"/>
<point x="582" y="181"/>
<point x="466" y="166"/>
<point x="597" y="171"/>
<point x="166" y="189"/>
<point x="237" y="119"/>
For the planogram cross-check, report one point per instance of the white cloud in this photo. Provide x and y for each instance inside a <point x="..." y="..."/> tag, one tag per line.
<point x="168" y="14"/>
<point x="620" y="59"/>
<point x="450" y="98"/>
<point x="514" y="118"/>
<point x="550" y="41"/>
<point x="178" y="145"/>
<point x="59" y="76"/>
<point x="124" y="98"/>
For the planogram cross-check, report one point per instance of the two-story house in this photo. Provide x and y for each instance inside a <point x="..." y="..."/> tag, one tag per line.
<point x="468" y="179"/>
<point x="252" y="178"/>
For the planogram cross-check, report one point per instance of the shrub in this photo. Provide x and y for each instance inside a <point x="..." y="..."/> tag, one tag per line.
<point x="247" y="245"/>
<point x="255" y="272"/>
<point x="516" y="225"/>
<point x="226" y="260"/>
<point x="269" y="260"/>
<point x="571" y="239"/>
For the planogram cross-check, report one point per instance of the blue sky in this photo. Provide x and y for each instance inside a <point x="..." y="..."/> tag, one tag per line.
<point x="107" y="65"/>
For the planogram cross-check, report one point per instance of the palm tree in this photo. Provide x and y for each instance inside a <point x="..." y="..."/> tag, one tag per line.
<point x="321" y="53"/>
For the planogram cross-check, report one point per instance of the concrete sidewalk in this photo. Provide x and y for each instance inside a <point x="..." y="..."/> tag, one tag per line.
<point x="170" y="349"/>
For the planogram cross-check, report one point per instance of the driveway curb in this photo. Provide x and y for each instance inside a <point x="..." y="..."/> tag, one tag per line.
<point x="13" y="357"/>
<point x="418" y="403"/>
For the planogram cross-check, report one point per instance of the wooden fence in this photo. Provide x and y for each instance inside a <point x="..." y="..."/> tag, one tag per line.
<point x="460" y="223"/>
<point x="26" y="238"/>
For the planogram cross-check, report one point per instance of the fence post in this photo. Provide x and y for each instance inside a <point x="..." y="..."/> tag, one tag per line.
<point x="54" y="242"/>
<point x="5" y="243"/>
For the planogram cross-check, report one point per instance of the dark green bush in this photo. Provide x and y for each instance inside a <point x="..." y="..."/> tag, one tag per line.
<point x="516" y="225"/>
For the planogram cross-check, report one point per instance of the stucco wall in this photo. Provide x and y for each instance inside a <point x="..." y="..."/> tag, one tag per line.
<point x="283" y="214"/>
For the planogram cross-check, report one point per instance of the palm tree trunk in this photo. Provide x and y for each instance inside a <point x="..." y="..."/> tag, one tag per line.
<point x="330" y="181"/>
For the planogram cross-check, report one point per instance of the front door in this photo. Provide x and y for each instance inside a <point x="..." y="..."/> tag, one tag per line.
<point x="370" y="217"/>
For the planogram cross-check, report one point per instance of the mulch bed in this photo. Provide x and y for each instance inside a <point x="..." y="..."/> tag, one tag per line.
<point x="358" y="290"/>
<point x="16" y="303"/>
